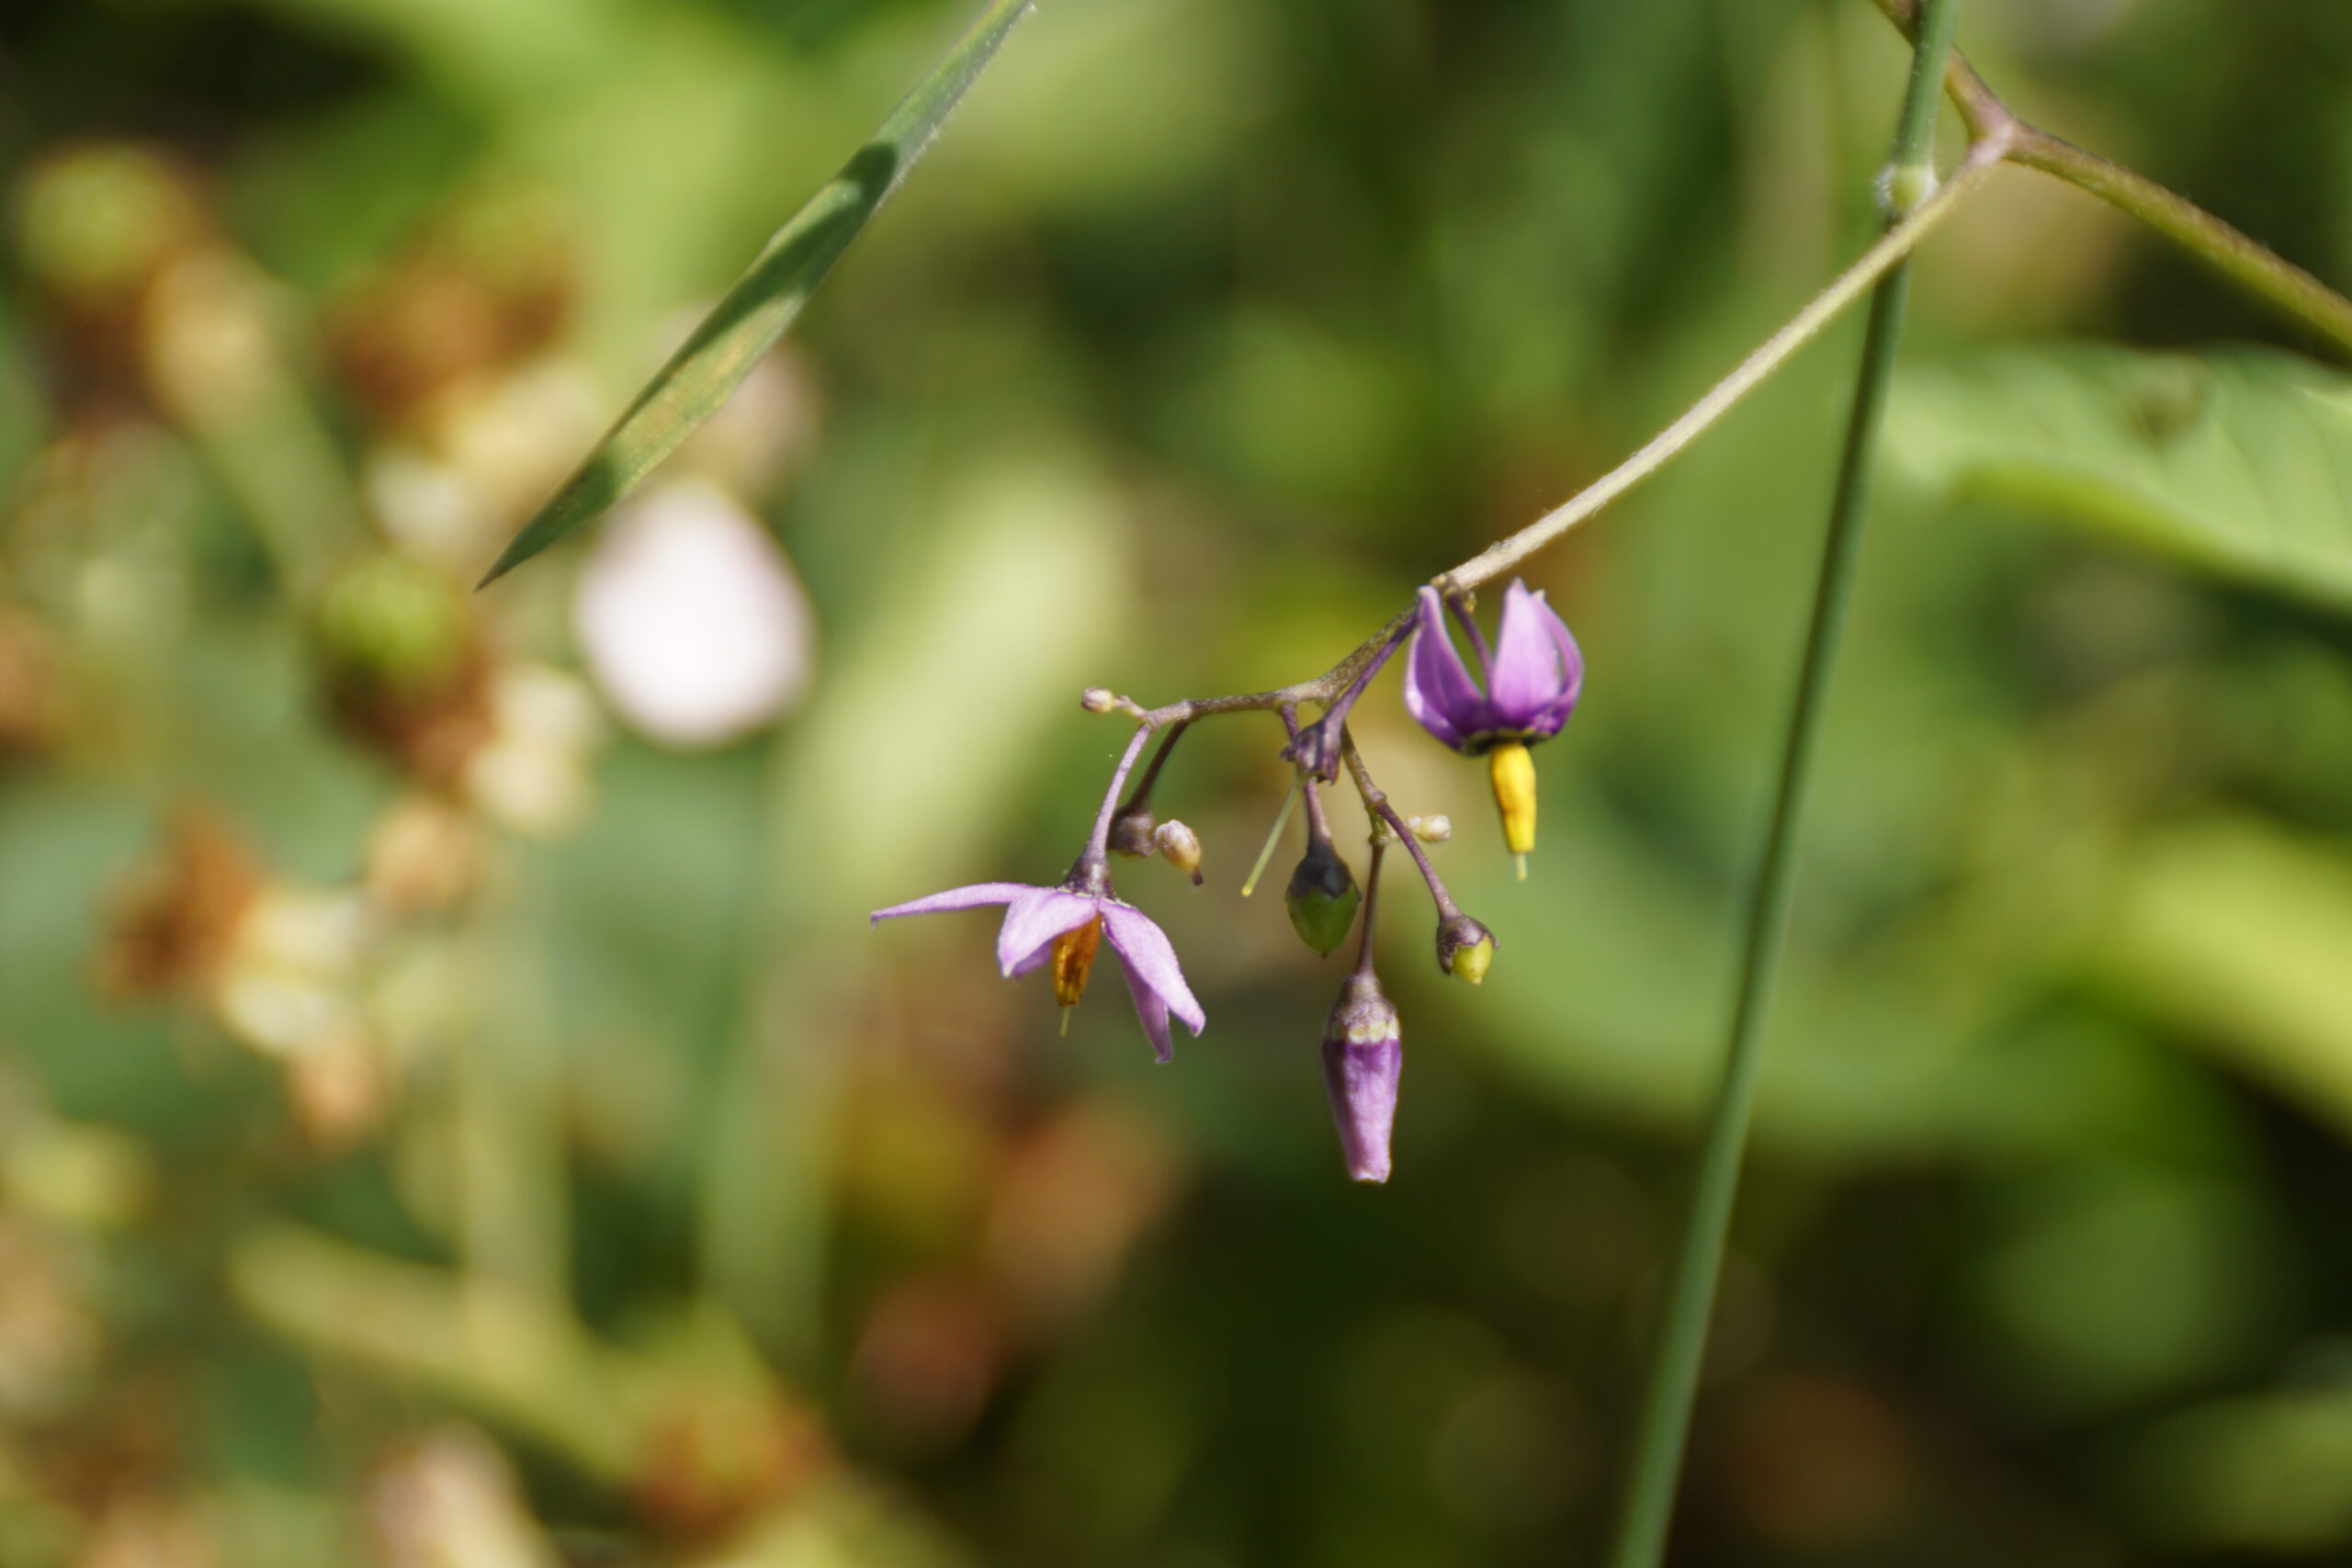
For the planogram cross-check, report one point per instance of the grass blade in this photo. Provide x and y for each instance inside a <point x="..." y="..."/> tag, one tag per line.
<point x="754" y="314"/>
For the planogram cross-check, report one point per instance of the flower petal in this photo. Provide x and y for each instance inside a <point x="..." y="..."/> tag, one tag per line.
<point x="1152" y="1012"/>
<point x="970" y="897"/>
<point x="1038" y="916"/>
<point x="1438" y="692"/>
<point x="1556" y="710"/>
<point x="1150" y="961"/>
<point x="1529" y="677"/>
<point x="1361" y="1082"/>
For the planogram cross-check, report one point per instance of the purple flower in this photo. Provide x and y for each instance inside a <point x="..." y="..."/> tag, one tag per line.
<point x="1363" y="1057"/>
<point x="1063" y="926"/>
<point x="1532" y="678"/>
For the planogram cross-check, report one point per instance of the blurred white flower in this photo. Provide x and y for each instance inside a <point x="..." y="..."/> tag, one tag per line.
<point x="451" y="1502"/>
<point x="692" y="619"/>
<point x="532" y="777"/>
<point x="291" y="980"/>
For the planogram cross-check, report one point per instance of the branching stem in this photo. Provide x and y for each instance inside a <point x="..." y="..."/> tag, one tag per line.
<point x="2253" y="266"/>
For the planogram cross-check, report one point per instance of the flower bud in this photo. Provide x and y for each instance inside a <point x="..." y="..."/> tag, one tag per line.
<point x="1434" y="830"/>
<point x="1181" y="846"/>
<point x="1098" y="699"/>
<point x="1464" y="949"/>
<point x="1322" y="897"/>
<point x="1363" y="1056"/>
<point x="1132" y="832"/>
<point x="392" y="624"/>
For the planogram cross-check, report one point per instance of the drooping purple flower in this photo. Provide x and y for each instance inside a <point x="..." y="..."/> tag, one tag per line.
<point x="1532" y="676"/>
<point x="1363" y="1058"/>
<point x="1062" y="925"/>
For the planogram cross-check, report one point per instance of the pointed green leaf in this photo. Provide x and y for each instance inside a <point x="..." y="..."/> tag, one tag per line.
<point x="754" y="314"/>
<point x="2237" y="462"/>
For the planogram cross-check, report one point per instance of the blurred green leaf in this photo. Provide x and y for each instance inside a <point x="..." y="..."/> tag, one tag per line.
<point x="2236" y="932"/>
<point x="2237" y="462"/>
<point x="2271" y="1474"/>
<point x="753" y="314"/>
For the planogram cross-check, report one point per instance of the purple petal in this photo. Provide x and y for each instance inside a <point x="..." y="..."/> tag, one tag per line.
<point x="1153" y="1012"/>
<point x="1528" y="673"/>
<point x="1360" y="1080"/>
<point x="978" y="894"/>
<point x="1438" y="689"/>
<point x="1556" y="712"/>
<point x="1151" y="962"/>
<point x="1038" y="917"/>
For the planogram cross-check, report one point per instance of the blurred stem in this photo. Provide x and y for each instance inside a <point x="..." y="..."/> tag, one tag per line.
<point x="514" y="1218"/>
<point x="2254" y="268"/>
<point x="1680" y="1347"/>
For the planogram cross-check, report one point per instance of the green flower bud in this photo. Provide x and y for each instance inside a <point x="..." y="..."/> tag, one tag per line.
<point x="1322" y="899"/>
<point x="393" y="624"/>
<point x="1464" y="949"/>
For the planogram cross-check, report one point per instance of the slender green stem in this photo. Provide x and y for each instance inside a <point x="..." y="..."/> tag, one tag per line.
<point x="1680" y="1347"/>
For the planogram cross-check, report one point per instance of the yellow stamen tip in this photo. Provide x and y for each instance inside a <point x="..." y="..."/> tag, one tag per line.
<point x="1073" y="958"/>
<point x="1513" y="771"/>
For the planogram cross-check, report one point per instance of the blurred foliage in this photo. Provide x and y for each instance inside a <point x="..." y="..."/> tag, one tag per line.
<point x="443" y="1124"/>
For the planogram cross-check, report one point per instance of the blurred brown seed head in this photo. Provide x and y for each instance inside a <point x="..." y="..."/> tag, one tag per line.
<point x="29" y="709"/>
<point x="97" y="224"/>
<point x="176" y="918"/>
<point x="425" y="855"/>
<point x="715" y="1460"/>
<point x="484" y="285"/>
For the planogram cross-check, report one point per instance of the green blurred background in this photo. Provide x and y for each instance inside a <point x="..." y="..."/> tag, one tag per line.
<point x="453" y="1116"/>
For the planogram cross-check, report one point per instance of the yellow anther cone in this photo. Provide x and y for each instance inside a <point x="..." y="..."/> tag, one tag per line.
<point x="1073" y="957"/>
<point x="1513" y="773"/>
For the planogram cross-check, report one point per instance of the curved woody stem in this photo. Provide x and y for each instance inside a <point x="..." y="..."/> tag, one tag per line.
<point x="2236" y="256"/>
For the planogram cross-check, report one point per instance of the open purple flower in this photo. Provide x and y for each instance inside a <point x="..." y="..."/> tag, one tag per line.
<point x="1534" y="675"/>
<point x="1064" y="926"/>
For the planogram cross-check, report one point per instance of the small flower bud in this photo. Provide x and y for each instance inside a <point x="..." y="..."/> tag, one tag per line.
<point x="1322" y="899"/>
<point x="1098" y="699"/>
<point x="1434" y="830"/>
<point x="1181" y="846"/>
<point x="392" y="624"/>
<point x="1363" y="1056"/>
<point x="1132" y="831"/>
<point x="1903" y="188"/>
<point x="1464" y="949"/>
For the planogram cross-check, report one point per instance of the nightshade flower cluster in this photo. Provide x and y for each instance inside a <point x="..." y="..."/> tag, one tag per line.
<point x="1527" y="687"/>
